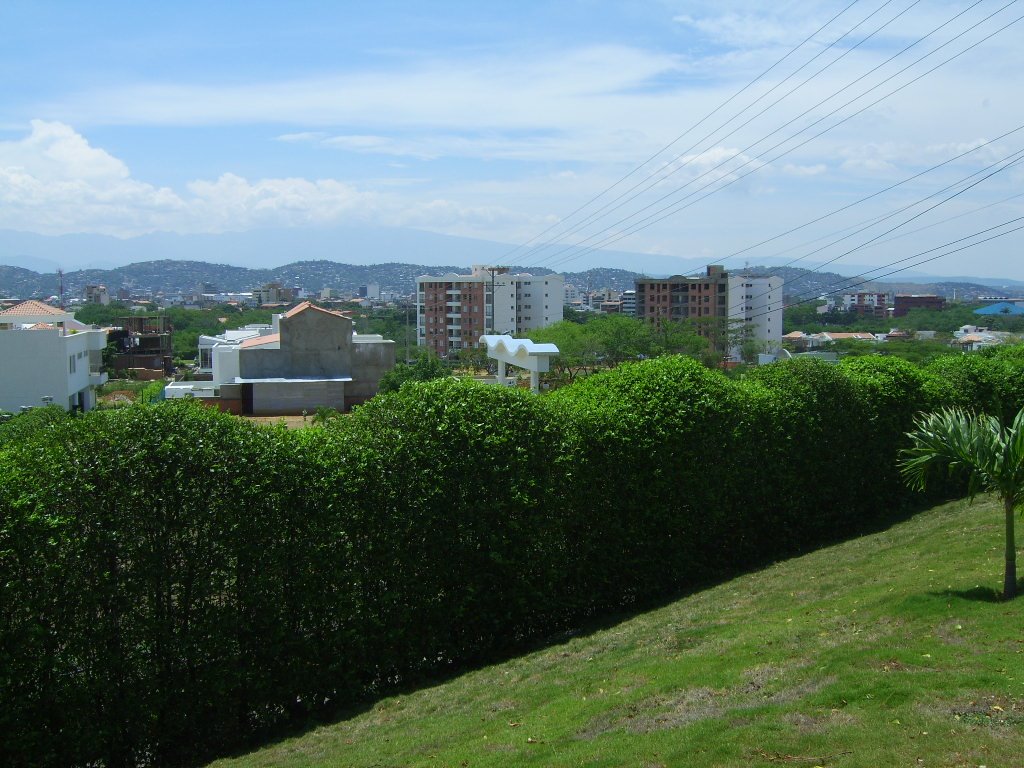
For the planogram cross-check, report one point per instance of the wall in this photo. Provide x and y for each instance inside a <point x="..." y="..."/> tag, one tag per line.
<point x="279" y="398"/>
<point x="314" y="344"/>
<point x="36" y="363"/>
<point x="371" y="359"/>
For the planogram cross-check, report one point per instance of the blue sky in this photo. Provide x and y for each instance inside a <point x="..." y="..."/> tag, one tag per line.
<point x="497" y="120"/>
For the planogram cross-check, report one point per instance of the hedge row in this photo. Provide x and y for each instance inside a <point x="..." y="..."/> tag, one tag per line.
<point x="175" y="582"/>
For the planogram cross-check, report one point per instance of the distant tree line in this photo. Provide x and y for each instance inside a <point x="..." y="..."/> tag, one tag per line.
<point x="176" y="582"/>
<point x="806" y="318"/>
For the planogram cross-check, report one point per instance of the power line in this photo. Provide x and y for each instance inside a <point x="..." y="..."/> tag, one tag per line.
<point x="1003" y="164"/>
<point x="1010" y="161"/>
<point x="655" y="179"/>
<point x="673" y="208"/>
<point x="908" y="266"/>
<point x="891" y="187"/>
<point x="686" y="132"/>
<point x="915" y="264"/>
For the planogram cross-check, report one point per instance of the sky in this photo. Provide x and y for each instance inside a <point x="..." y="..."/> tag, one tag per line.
<point x="503" y="122"/>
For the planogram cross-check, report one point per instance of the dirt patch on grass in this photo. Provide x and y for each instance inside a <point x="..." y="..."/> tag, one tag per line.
<point x="895" y="665"/>
<point x="991" y="710"/>
<point x="951" y="632"/>
<point x="819" y="723"/>
<point x="762" y="686"/>
<point x="118" y="397"/>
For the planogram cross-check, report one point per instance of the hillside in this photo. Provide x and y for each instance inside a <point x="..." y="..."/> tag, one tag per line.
<point x="172" y="276"/>
<point x="885" y="650"/>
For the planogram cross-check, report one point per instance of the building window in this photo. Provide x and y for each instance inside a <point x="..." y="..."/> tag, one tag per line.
<point x="71" y="363"/>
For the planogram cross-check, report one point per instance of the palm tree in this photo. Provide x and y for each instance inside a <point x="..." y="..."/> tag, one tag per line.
<point x="991" y="457"/>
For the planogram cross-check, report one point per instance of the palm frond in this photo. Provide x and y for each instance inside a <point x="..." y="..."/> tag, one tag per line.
<point x="953" y="442"/>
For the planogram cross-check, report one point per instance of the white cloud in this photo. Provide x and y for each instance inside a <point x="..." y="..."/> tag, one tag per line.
<point x="55" y="152"/>
<point x="54" y="182"/>
<point x="748" y="30"/>
<point x="709" y="167"/>
<point x="791" y="169"/>
<point x="304" y="136"/>
<point x="574" y="86"/>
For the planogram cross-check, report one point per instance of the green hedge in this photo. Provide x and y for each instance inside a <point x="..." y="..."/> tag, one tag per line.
<point x="175" y="582"/>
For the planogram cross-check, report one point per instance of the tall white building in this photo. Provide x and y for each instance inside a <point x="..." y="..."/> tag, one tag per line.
<point x="758" y="302"/>
<point x="453" y="311"/>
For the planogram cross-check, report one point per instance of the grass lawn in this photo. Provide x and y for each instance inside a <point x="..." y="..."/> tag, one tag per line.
<point x="890" y="650"/>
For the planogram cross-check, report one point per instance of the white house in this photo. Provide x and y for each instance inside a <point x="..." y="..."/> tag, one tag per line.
<point x="48" y="357"/>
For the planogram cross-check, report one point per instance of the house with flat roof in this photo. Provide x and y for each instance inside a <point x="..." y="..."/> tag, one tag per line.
<point x="46" y="356"/>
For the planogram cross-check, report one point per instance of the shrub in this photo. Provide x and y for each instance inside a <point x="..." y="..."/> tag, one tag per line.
<point x="175" y="582"/>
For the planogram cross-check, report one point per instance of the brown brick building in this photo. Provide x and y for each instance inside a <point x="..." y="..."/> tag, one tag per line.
<point x="904" y="302"/>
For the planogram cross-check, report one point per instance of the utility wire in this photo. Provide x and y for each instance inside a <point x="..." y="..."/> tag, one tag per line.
<point x="875" y="278"/>
<point x="891" y="187"/>
<point x="1003" y="164"/>
<point x="684" y="133"/>
<point x="904" y="268"/>
<point x="673" y="208"/>
<point x="853" y="82"/>
<point x="1009" y="162"/>
<point x="655" y="178"/>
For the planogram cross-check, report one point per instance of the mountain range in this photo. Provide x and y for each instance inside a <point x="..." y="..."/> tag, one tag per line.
<point x="170" y="276"/>
<point x="264" y="252"/>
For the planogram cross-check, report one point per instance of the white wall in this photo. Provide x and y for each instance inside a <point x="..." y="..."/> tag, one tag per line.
<point x="34" y="364"/>
<point x="541" y="300"/>
<point x="758" y="300"/>
<point x="225" y="364"/>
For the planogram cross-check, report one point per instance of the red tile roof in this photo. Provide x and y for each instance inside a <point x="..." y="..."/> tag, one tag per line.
<point x="307" y="305"/>
<point x="257" y="341"/>
<point x="31" y="308"/>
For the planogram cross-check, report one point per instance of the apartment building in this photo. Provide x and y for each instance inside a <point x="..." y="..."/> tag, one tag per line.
<point x="756" y="301"/>
<point x="97" y="294"/>
<point x="904" y="302"/>
<point x="453" y="311"/>
<point x="629" y="303"/>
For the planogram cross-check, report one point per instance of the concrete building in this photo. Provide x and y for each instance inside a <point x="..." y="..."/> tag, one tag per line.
<point x="144" y="347"/>
<point x="311" y="359"/>
<point x="863" y="303"/>
<point x="97" y="294"/>
<point x="683" y="298"/>
<point x="47" y="357"/>
<point x="274" y="293"/>
<point x="453" y="311"/>
<point x="756" y="301"/>
<point x="629" y="303"/>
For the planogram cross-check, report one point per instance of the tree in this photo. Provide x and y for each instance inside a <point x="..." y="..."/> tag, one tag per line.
<point x="978" y="447"/>
<point x="426" y="367"/>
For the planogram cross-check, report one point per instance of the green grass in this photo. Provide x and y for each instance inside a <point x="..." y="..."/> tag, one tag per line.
<point x="889" y="650"/>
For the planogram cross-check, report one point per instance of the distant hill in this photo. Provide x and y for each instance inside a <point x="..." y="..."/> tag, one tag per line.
<point x="173" y="276"/>
<point x="347" y="257"/>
